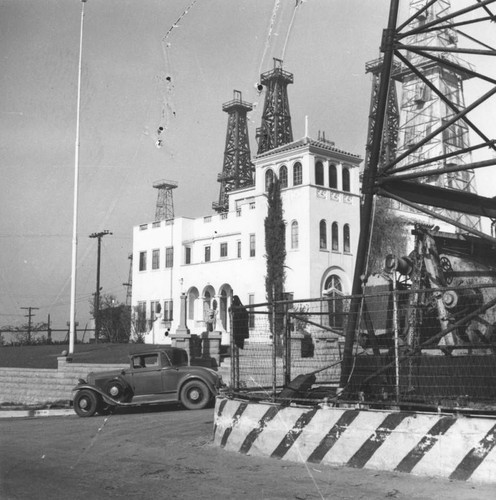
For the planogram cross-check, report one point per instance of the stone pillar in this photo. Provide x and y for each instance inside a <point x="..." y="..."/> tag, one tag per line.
<point x="182" y="329"/>
<point x="62" y="362"/>
<point x="182" y="341"/>
<point x="181" y="337"/>
<point x="211" y="346"/>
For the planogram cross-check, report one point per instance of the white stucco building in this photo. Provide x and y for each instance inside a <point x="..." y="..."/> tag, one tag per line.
<point x="214" y="257"/>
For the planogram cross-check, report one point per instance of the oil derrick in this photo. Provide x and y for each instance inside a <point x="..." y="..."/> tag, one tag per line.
<point x="165" y="203"/>
<point x="237" y="171"/>
<point x="432" y="172"/>
<point x="423" y="110"/>
<point x="276" y="119"/>
<point x="389" y="142"/>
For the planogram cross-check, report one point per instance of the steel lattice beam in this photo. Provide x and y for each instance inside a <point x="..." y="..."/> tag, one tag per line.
<point x="427" y="47"/>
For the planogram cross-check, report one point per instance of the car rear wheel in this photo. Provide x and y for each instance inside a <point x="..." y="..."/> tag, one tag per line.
<point x="85" y="403"/>
<point x="117" y="390"/>
<point x="195" y="395"/>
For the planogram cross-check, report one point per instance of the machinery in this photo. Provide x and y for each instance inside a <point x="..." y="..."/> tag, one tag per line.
<point x="428" y="325"/>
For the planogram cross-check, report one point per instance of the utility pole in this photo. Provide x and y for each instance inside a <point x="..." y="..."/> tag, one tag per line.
<point x="96" y="310"/>
<point x="29" y="315"/>
<point x="129" y="284"/>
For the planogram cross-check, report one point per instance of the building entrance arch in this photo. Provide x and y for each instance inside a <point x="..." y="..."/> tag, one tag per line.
<point x="225" y="298"/>
<point x="333" y="290"/>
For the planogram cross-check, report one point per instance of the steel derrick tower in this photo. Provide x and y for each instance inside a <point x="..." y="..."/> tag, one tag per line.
<point x="237" y="171"/>
<point x="389" y="142"/>
<point x="164" y="209"/>
<point x="423" y="110"/>
<point x="432" y="167"/>
<point x="276" y="127"/>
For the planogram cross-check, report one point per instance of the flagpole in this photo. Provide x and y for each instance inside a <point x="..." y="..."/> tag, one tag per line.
<point x="72" y="320"/>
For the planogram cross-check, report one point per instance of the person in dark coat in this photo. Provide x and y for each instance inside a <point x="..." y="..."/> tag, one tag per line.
<point x="240" y="322"/>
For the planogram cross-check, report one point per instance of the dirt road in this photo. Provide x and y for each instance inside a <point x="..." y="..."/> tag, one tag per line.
<point x="168" y="454"/>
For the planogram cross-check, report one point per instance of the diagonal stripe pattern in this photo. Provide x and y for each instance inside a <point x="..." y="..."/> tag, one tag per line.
<point x="419" y="443"/>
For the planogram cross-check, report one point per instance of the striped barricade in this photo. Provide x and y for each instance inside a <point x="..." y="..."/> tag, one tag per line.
<point x="429" y="444"/>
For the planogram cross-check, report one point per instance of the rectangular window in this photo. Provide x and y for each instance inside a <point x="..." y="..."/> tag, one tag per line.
<point x="251" y="316"/>
<point x="156" y="258"/>
<point x="223" y="249"/>
<point x="207" y="254"/>
<point x="142" y="261"/>
<point x="141" y="317"/>
<point x="168" y="310"/>
<point x="252" y="245"/>
<point x="187" y="255"/>
<point x="169" y="256"/>
<point x="239" y="249"/>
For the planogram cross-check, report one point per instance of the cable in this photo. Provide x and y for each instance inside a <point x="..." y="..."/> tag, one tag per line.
<point x="269" y="34"/>
<point x="168" y="109"/>
<point x="298" y="2"/>
<point x="176" y="24"/>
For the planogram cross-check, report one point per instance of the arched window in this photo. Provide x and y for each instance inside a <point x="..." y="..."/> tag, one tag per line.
<point x="269" y="179"/>
<point x="333" y="290"/>
<point x="319" y="174"/>
<point x="333" y="177"/>
<point x="335" y="237"/>
<point x="297" y="174"/>
<point x="283" y="177"/>
<point x="192" y="298"/>
<point x="294" y="235"/>
<point x="346" y="238"/>
<point x="346" y="179"/>
<point x="323" y="234"/>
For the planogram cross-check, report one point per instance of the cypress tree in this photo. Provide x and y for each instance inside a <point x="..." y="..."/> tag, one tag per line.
<point x="275" y="251"/>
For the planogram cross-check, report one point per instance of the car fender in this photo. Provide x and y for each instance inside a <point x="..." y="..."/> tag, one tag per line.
<point x="97" y="390"/>
<point x="189" y="378"/>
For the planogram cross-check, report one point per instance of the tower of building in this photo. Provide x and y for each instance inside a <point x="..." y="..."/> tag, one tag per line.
<point x="237" y="170"/>
<point x="276" y="127"/>
<point x="165" y="203"/>
<point x="423" y="109"/>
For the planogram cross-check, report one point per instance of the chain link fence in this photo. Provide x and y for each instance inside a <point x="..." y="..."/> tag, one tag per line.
<point x="430" y="348"/>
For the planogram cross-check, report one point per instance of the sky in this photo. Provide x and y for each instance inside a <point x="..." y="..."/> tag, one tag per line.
<point x="148" y="64"/>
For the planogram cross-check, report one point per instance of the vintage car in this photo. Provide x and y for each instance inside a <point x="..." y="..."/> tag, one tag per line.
<point x="153" y="377"/>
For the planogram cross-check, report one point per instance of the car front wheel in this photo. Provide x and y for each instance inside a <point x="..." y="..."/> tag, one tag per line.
<point x="195" y="395"/>
<point x="85" y="403"/>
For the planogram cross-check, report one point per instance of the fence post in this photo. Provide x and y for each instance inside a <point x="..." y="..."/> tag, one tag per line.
<point x="274" y="350"/>
<point x="287" y="347"/>
<point x="234" y="356"/>
<point x="396" y="341"/>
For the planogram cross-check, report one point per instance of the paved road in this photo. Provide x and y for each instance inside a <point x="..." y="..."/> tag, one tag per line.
<point x="168" y="454"/>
